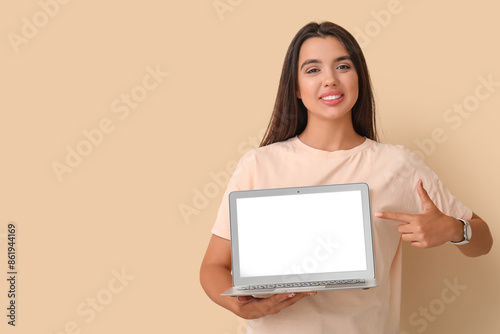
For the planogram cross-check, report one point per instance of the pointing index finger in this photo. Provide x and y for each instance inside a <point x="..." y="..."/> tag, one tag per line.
<point x="396" y="216"/>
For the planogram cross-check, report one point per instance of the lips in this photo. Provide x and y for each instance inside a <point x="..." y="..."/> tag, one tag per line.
<point x="332" y="97"/>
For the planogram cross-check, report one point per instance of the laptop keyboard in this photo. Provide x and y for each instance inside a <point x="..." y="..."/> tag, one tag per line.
<point x="301" y="284"/>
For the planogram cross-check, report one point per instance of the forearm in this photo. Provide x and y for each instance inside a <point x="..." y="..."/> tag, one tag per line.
<point x="481" y="240"/>
<point x="216" y="279"/>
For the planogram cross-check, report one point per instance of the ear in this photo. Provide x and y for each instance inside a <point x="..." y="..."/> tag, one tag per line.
<point x="297" y="94"/>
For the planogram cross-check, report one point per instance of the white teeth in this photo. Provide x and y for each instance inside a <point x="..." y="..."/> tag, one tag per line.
<point x="331" y="97"/>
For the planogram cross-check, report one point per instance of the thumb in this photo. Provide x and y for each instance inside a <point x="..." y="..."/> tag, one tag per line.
<point x="243" y="299"/>
<point x="427" y="203"/>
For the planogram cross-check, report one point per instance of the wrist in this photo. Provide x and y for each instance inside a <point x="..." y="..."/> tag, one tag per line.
<point x="466" y="233"/>
<point x="457" y="234"/>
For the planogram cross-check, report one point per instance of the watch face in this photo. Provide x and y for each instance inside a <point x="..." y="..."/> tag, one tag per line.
<point x="468" y="230"/>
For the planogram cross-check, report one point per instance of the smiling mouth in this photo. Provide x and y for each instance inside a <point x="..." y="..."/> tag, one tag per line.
<point x="331" y="97"/>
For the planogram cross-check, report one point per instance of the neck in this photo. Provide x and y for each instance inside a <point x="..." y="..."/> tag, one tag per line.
<point x="330" y="136"/>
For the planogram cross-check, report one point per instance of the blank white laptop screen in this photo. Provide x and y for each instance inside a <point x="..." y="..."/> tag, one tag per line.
<point x="300" y="234"/>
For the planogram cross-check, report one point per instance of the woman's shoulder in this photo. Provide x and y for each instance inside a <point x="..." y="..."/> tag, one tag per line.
<point x="272" y="149"/>
<point x="265" y="152"/>
<point x="391" y="149"/>
<point x="398" y="156"/>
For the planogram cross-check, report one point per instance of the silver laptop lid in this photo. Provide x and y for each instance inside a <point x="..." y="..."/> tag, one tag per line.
<point x="299" y="234"/>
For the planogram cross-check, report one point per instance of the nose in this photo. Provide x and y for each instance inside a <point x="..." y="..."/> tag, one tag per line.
<point x="329" y="79"/>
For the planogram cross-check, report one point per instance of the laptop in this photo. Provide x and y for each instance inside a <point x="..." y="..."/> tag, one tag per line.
<point x="301" y="239"/>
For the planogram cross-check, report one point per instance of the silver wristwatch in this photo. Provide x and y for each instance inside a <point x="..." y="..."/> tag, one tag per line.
<point x="467" y="233"/>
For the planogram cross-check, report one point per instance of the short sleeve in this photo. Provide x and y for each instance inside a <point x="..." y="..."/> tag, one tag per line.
<point x="437" y="190"/>
<point x="242" y="179"/>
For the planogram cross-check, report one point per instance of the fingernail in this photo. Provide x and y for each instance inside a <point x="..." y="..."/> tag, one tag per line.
<point x="313" y="293"/>
<point x="291" y="295"/>
<point x="378" y="214"/>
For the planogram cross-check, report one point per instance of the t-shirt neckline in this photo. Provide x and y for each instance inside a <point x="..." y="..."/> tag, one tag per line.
<point x="304" y="147"/>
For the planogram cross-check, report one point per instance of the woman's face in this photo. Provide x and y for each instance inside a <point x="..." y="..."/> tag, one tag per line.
<point x="327" y="79"/>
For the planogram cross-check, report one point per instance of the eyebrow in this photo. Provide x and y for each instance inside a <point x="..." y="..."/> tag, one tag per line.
<point x="316" y="61"/>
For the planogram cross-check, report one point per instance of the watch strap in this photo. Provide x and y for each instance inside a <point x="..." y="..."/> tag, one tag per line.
<point x="466" y="229"/>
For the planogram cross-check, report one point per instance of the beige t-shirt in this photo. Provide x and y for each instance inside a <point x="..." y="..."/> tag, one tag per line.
<point x="392" y="173"/>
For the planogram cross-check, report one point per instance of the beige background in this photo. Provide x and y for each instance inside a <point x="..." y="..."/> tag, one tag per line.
<point x="118" y="209"/>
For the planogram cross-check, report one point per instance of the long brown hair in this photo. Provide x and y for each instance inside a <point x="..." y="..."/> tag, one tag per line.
<point x="289" y="117"/>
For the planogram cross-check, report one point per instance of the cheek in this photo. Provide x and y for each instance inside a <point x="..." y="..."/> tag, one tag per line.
<point x="306" y="95"/>
<point x="306" y="89"/>
<point x="308" y="99"/>
<point x="355" y="87"/>
<point x="298" y="93"/>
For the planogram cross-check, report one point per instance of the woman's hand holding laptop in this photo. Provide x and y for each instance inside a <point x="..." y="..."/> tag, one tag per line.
<point x="249" y="307"/>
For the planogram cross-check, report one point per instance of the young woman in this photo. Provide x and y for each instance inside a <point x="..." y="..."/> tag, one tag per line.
<point x="322" y="131"/>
